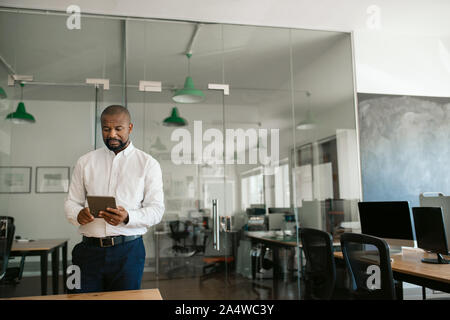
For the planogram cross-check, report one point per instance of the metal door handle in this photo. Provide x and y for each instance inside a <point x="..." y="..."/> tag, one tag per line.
<point x="216" y="230"/>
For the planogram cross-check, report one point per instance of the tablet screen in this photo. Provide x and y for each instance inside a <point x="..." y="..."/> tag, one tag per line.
<point x="100" y="203"/>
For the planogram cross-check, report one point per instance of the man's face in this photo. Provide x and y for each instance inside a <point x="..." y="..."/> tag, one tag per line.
<point x="116" y="129"/>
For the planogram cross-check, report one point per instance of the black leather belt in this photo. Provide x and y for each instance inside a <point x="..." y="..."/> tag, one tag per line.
<point x="109" y="241"/>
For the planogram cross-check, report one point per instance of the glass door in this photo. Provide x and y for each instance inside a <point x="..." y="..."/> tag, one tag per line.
<point x="258" y="120"/>
<point x="324" y="161"/>
<point x="190" y="243"/>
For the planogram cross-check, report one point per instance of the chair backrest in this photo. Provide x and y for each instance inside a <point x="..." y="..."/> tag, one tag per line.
<point x="320" y="270"/>
<point x="7" y="230"/>
<point x="368" y="262"/>
<point x="179" y="230"/>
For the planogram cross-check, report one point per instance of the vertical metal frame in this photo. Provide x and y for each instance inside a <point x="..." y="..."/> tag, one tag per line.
<point x="355" y="101"/>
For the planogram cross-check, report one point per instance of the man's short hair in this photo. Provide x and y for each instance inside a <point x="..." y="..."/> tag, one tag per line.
<point x="116" y="109"/>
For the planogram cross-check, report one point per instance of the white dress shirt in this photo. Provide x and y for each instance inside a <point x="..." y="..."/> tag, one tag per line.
<point x="132" y="176"/>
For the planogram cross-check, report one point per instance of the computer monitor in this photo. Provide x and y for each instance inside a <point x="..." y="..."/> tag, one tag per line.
<point x="390" y="220"/>
<point x="310" y="215"/>
<point x="430" y="232"/>
<point x="276" y="221"/>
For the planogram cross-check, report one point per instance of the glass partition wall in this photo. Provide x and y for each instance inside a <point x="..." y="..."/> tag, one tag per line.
<point x="269" y="123"/>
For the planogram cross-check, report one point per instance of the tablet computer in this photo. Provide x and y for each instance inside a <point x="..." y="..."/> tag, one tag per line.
<point x="100" y="203"/>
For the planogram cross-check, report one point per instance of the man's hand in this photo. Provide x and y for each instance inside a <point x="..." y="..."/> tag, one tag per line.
<point x="114" y="216"/>
<point x="85" y="216"/>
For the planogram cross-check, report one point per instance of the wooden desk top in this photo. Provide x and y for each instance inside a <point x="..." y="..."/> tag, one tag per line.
<point x="147" y="294"/>
<point x="37" y="245"/>
<point x="289" y="241"/>
<point x="409" y="262"/>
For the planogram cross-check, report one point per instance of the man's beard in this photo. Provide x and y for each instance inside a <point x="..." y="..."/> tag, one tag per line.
<point x="120" y="146"/>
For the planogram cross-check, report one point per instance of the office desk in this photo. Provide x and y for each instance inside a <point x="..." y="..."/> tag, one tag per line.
<point x="147" y="294"/>
<point x="42" y="248"/>
<point x="276" y="242"/>
<point x="407" y="267"/>
<point x="285" y="241"/>
<point x="268" y="239"/>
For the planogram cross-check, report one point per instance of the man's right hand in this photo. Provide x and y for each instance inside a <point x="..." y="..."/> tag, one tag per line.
<point x="85" y="216"/>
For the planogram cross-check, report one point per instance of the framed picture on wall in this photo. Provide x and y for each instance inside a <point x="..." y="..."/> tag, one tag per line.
<point x="15" y="179"/>
<point x="52" y="179"/>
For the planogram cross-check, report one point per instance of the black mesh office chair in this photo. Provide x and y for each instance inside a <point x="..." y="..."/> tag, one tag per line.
<point x="8" y="275"/>
<point x="368" y="262"/>
<point x="320" y="269"/>
<point x="6" y="237"/>
<point x="179" y="232"/>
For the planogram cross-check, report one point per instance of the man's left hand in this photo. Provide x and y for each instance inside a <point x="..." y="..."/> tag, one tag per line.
<point x="114" y="216"/>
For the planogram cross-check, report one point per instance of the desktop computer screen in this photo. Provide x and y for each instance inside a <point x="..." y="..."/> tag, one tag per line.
<point x="390" y="220"/>
<point x="276" y="221"/>
<point x="430" y="232"/>
<point x="310" y="215"/>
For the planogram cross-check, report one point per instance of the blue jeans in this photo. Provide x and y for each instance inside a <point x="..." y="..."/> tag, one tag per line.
<point x="119" y="267"/>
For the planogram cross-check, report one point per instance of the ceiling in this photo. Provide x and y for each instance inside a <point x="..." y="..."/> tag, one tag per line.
<point x="254" y="61"/>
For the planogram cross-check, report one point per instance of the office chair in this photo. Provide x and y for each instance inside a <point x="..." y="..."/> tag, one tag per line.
<point x="320" y="269"/>
<point x="216" y="262"/>
<point x="368" y="263"/>
<point x="8" y="275"/>
<point x="178" y="234"/>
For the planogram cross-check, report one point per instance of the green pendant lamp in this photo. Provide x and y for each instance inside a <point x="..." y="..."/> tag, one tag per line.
<point x="174" y="120"/>
<point x="188" y="94"/>
<point x="21" y="115"/>
<point x="4" y="103"/>
<point x="2" y="93"/>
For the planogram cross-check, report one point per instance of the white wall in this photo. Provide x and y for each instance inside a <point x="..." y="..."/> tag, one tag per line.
<point x="62" y="128"/>
<point x="406" y="52"/>
<point x="5" y="141"/>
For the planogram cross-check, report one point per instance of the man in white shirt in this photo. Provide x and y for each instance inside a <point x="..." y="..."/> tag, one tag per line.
<point x="111" y="255"/>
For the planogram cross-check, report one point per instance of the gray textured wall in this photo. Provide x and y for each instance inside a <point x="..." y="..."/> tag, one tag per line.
<point x="404" y="146"/>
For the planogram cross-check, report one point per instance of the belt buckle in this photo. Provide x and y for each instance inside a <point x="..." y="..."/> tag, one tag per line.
<point x="106" y="242"/>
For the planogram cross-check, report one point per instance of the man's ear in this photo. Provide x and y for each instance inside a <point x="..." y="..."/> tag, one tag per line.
<point x="131" y="127"/>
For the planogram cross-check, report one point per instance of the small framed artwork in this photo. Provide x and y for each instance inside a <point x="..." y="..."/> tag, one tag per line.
<point x="15" y="179"/>
<point x="52" y="179"/>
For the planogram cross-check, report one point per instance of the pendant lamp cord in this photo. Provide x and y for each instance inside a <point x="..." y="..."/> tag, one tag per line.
<point x="189" y="55"/>
<point x="21" y="91"/>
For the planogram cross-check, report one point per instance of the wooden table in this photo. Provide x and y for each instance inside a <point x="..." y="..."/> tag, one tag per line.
<point x="269" y="239"/>
<point x="147" y="294"/>
<point x="42" y="248"/>
<point x="275" y="242"/>
<point x="408" y="267"/>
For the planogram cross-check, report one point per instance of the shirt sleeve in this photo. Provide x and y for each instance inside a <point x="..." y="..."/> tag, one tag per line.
<point x="153" y="203"/>
<point x="76" y="198"/>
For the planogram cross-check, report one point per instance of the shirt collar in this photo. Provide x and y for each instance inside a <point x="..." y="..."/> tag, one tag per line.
<point x="126" y="152"/>
<point x="128" y="149"/>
